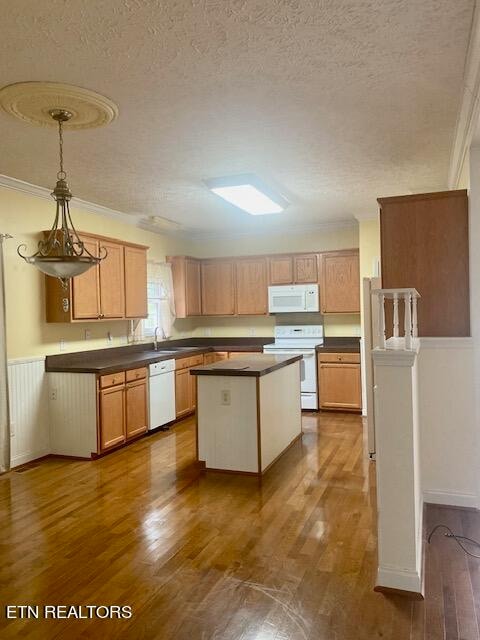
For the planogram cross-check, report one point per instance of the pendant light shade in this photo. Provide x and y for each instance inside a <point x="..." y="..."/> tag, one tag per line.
<point x="62" y="254"/>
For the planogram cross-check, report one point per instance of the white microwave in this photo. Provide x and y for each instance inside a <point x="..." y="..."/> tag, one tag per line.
<point x="293" y="298"/>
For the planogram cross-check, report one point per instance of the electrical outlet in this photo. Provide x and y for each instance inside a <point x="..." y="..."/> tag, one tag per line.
<point x="207" y="331"/>
<point x="53" y="394"/>
<point x="225" y="396"/>
<point x="88" y="334"/>
<point x="252" y="331"/>
<point x="62" y="344"/>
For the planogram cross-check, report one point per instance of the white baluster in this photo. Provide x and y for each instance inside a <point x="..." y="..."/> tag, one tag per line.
<point x="381" y="321"/>
<point x="395" y="315"/>
<point x="414" y="317"/>
<point x="408" y="320"/>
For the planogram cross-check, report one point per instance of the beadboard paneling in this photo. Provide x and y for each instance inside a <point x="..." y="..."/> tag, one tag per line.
<point x="73" y="413"/>
<point x="29" y="421"/>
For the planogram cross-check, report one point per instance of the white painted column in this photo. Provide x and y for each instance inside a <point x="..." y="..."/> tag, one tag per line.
<point x="399" y="496"/>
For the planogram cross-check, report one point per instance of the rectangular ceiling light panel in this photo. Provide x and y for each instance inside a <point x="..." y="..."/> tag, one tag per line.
<point x="247" y="193"/>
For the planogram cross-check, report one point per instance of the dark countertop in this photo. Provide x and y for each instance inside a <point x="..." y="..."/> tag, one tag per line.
<point x="339" y="345"/>
<point x="255" y="365"/>
<point x="105" y="361"/>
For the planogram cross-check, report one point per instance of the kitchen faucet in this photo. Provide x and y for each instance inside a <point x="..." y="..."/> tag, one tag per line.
<point x="155" y="338"/>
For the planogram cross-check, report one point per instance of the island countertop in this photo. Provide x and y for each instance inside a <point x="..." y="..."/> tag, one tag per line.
<point x="250" y="365"/>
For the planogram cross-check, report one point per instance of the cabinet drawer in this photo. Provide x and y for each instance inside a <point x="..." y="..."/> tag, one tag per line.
<point x="112" y="379"/>
<point x="348" y="358"/>
<point x="196" y="361"/>
<point x="182" y="363"/>
<point x="136" y="374"/>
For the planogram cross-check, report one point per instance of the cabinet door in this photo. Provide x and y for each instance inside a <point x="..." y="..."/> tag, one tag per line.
<point x="136" y="401"/>
<point x="112" y="282"/>
<point x="85" y="288"/>
<point x="135" y="282"/>
<point x="112" y="417"/>
<point x="281" y="270"/>
<point x="182" y="393"/>
<point x="340" y="290"/>
<point x="340" y="386"/>
<point x="210" y="358"/>
<point x="305" y="269"/>
<point x="218" y="288"/>
<point x="251" y="281"/>
<point x="193" y="391"/>
<point x="193" y="297"/>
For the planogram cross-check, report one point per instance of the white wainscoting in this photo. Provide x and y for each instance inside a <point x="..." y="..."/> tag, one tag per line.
<point x="447" y="417"/>
<point x="29" y="419"/>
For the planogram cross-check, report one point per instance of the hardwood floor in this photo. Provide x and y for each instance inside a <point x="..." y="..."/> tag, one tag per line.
<point x="217" y="556"/>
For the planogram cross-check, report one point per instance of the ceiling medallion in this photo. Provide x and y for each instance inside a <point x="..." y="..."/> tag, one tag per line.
<point x="62" y="253"/>
<point x="32" y="102"/>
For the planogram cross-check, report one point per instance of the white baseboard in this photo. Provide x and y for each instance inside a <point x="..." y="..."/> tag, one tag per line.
<point x="28" y="457"/>
<point x="451" y="499"/>
<point x="399" y="579"/>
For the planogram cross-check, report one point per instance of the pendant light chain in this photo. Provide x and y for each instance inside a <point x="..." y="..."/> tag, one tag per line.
<point x="62" y="254"/>
<point x="61" y="175"/>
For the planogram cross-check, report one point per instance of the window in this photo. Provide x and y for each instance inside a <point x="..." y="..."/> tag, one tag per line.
<point x="161" y="310"/>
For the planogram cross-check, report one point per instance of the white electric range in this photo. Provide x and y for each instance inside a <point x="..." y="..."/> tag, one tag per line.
<point x="302" y="340"/>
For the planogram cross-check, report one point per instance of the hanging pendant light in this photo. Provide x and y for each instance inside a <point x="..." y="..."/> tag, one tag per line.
<point x="63" y="254"/>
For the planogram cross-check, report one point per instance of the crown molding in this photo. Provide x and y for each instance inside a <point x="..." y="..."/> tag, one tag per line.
<point x="468" y="115"/>
<point x="189" y="234"/>
<point x="276" y="231"/>
<point x="41" y="192"/>
<point x="362" y="217"/>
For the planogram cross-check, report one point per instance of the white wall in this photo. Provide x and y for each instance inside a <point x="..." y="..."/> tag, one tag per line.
<point x="447" y="423"/>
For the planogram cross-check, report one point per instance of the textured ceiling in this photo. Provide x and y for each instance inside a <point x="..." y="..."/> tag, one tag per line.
<point x="335" y="101"/>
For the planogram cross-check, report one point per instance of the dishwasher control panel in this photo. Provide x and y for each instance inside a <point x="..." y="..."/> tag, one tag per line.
<point x="162" y="367"/>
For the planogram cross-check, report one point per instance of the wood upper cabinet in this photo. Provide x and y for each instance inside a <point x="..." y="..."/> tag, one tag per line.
<point x="281" y="270"/>
<point x="425" y="245"/>
<point x="340" y="282"/>
<point x="112" y="281"/>
<point x="85" y="289"/>
<point x="218" y="287"/>
<point x="186" y="275"/>
<point x="251" y="286"/>
<point x="339" y="382"/>
<point x="112" y="416"/>
<point x="305" y="268"/>
<point x="136" y="305"/>
<point x="116" y="288"/>
<point x="136" y="408"/>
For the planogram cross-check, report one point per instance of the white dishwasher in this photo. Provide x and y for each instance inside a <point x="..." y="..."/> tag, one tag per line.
<point x="162" y="393"/>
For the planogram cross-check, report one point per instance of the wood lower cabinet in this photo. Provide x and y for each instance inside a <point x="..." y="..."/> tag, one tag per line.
<point x="251" y="286"/>
<point x="136" y="305"/>
<point x="136" y="408"/>
<point x="340" y="282"/>
<point x="122" y="407"/>
<point x="112" y="417"/>
<point x="183" y="394"/>
<point x="218" y="287"/>
<point x="339" y="382"/>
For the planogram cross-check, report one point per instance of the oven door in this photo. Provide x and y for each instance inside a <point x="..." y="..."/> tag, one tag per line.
<point x="308" y="367"/>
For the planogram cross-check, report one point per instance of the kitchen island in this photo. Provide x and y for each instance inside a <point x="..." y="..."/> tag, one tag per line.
<point x="248" y="412"/>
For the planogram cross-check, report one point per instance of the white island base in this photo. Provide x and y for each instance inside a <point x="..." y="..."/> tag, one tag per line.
<point x="245" y="422"/>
